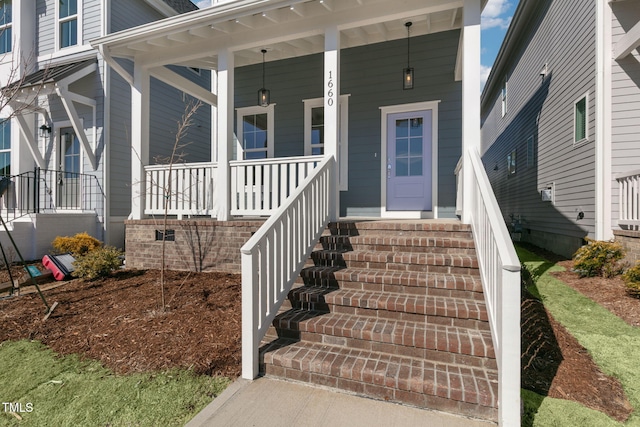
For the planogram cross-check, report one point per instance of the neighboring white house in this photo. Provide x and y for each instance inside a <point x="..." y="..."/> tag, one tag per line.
<point x="67" y="152"/>
<point x="561" y="122"/>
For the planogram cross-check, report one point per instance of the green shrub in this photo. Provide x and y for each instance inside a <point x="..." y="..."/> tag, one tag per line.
<point x="78" y="245"/>
<point x="598" y="258"/>
<point x="97" y="263"/>
<point x="631" y="278"/>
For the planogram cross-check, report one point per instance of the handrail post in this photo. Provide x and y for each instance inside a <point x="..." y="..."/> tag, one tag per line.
<point x="250" y="343"/>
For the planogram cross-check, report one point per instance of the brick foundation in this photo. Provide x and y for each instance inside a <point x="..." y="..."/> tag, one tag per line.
<point x="199" y="245"/>
<point x="630" y="240"/>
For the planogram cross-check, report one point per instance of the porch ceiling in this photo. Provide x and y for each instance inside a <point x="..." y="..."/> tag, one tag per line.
<point x="286" y="28"/>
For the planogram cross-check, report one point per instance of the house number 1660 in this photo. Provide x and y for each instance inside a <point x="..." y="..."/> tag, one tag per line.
<point x="330" y="91"/>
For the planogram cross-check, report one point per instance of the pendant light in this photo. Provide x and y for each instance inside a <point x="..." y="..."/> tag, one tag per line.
<point x="264" y="95"/>
<point x="407" y="73"/>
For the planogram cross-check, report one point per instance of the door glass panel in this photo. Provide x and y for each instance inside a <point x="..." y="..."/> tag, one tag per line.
<point x="415" y="166"/>
<point x="402" y="166"/>
<point x="402" y="147"/>
<point x="402" y="128"/>
<point x="416" y="147"/>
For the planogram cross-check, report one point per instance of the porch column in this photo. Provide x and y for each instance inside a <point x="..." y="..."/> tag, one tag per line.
<point x="332" y="112"/>
<point x="225" y="132"/>
<point x="470" y="98"/>
<point x="139" y="139"/>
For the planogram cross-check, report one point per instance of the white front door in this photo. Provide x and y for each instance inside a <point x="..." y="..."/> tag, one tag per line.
<point x="409" y="161"/>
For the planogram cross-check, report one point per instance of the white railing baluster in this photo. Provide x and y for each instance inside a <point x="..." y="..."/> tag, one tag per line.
<point x="190" y="190"/>
<point x="500" y="273"/>
<point x="629" y="199"/>
<point x="274" y="256"/>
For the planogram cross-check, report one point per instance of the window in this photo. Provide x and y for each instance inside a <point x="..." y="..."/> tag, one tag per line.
<point x="255" y="132"/>
<point x="68" y="22"/>
<point x="6" y="19"/>
<point x="314" y="133"/>
<point x="531" y="153"/>
<point x="511" y="163"/>
<point x="504" y="98"/>
<point x="5" y="147"/>
<point x="580" y="113"/>
<point x="313" y="127"/>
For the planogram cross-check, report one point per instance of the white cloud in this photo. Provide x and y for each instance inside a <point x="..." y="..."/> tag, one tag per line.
<point x="494" y="14"/>
<point x="484" y="74"/>
<point x="202" y="3"/>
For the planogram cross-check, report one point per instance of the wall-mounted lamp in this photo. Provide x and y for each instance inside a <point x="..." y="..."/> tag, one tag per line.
<point x="264" y="95"/>
<point x="544" y="71"/>
<point x="407" y="73"/>
<point x="45" y="131"/>
<point x="495" y="168"/>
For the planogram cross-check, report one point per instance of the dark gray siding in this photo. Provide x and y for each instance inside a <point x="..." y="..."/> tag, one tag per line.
<point x="625" y="110"/>
<point x="372" y="76"/>
<point x="562" y="35"/>
<point x="126" y="14"/>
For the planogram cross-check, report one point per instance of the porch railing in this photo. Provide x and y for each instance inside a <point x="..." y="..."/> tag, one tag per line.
<point x="629" y="199"/>
<point x="49" y="191"/>
<point x="274" y="256"/>
<point x="187" y="190"/>
<point x="500" y="271"/>
<point x="259" y="187"/>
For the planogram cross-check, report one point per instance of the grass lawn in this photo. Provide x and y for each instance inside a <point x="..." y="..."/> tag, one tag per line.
<point x="612" y="343"/>
<point x="67" y="391"/>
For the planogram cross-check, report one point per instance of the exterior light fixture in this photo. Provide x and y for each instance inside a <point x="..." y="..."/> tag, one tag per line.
<point x="45" y="131"/>
<point x="407" y="73"/>
<point x="264" y="95"/>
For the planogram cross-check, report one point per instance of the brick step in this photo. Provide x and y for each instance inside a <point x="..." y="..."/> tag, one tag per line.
<point x="461" y="312"/>
<point x="407" y="261"/>
<point x="414" y="381"/>
<point x="413" y="226"/>
<point x="447" y="344"/>
<point x="397" y="244"/>
<point x="404" y="282"/>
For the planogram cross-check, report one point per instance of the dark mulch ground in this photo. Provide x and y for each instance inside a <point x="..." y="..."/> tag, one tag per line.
<point x="118" y="321"/>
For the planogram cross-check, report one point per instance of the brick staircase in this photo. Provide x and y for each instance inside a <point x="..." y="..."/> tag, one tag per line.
<point x="393" y="310"/>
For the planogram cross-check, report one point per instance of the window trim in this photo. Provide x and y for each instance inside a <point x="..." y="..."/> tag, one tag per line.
<point x="531" y="151"/>
<point x="4" y="122"/>
<point x="503" y="97"/>
<point x="581" y="141"/>
<point x="8" y="26"/>
<point x="249" y="111"/>
<point x="343" y="143"/>
<point x="512" y="160"/>
<point x="59" y="21"/>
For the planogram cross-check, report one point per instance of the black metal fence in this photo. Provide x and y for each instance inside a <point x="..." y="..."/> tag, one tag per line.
<point x="50" y="191"/>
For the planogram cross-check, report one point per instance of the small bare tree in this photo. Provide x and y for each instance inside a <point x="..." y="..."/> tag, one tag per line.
<point x="177" y="156"/>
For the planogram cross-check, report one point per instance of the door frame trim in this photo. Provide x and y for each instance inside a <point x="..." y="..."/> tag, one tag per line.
<point x="408" y="108"/>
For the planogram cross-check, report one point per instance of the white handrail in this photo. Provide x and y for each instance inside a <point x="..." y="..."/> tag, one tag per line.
<point x="274" y="256"/>
<point x="259" y="187"/>
<point x="187" y="190"/>
<point x="629" y="199"/>
<point x="500" y="271"/>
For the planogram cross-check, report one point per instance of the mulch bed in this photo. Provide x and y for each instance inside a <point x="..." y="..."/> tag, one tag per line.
<point x="118" y="321"/>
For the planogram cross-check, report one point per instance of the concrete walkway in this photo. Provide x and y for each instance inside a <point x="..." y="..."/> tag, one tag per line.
<point x="268" y="402"/>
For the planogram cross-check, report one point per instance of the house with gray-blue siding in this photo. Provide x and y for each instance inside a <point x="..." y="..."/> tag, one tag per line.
<point x="560" y="123"/>
<point x="66" y="148"/>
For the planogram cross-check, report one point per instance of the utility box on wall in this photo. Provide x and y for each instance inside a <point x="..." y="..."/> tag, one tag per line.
<point x="547" y="193"/>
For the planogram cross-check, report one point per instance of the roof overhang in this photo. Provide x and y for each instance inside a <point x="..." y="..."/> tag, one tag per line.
<point x="286" y="28"/>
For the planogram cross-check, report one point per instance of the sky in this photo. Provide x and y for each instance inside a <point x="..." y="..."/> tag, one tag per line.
<point x="495" y="21"/>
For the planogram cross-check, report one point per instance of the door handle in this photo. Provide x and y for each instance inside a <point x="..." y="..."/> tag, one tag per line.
<point x="389" y="170"/>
